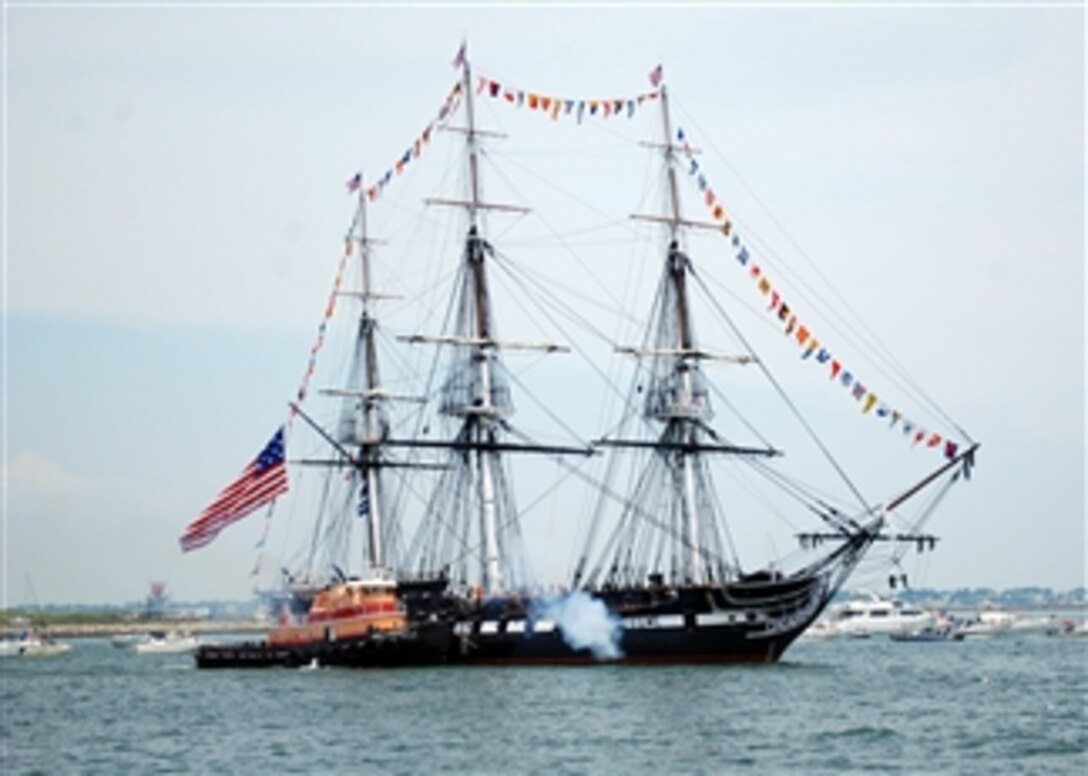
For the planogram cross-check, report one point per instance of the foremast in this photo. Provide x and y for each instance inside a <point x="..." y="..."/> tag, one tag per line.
<point x="685" y="368"/>
<point x="689" y="423"/>
<point x="677" y="399"/>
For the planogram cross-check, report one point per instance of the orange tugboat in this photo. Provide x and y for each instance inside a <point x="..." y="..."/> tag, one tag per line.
<point x="352" y="609"/>
<point x="353" y="622"/>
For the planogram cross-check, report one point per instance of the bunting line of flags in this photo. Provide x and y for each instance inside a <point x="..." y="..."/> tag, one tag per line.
<point x="311" y="366"/>
<point x="265" y="478"/>
<point x="802" y="335"/>
<point x="414" y="150"/>
<point x="562" y="106"/>
<point x="330" y="308"/>
<point x="300" y="395"/>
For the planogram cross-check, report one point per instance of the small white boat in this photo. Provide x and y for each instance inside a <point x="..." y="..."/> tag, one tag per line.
<point x="1023" y="624"/>
<point x="167" y="643"/>
<point x="929" y="633"/>
<point x="1068" y="627"/>
<point x="986" y="625"/>
<point x="126" y="640"/>
<point x="821" y="629"/>
<point x="45" y="647"/>
<point x="33" y="644"/>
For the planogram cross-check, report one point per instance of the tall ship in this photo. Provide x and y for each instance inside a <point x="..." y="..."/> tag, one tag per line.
<point x="418" y="553"/>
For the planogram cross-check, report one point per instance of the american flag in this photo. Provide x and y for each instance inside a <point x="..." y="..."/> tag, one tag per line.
<point x="656" y="75"/>
<point x="262" y="481"/>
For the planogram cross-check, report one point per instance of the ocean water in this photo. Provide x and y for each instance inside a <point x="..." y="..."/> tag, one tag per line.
<point x="1013" y="704"/>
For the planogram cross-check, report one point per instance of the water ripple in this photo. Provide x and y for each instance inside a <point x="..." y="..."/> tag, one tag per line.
<point x="832" y="707"/>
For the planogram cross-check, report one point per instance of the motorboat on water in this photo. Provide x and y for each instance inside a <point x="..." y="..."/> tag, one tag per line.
<point x="929" y="633"/>
<point x="159" y="642"/>
<point x="821" y="629"/>
<point x="1025" y="625"/>
<point x="32" y="643"/>
<point x="126" y="640"/>
<point x="873" y="614"/>
<point x="1019" y="623"/>
<point x="9" y="646"/>
<point x="1068" y="627"/>
<point x="986" y="625"/>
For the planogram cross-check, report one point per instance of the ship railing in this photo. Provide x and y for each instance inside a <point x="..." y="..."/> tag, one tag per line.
<point x="780" y="601"/>
<point x="374" y="575"/>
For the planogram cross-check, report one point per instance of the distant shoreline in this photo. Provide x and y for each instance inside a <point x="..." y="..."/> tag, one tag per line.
<point x="135" y="627"/>
<point x="56" y="625"/>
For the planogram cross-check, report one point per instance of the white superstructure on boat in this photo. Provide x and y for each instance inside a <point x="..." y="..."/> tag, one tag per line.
<point x="876" y="615"/>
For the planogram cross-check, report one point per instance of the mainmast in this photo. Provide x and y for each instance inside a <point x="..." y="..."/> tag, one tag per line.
<point x="476" y="392"/>
<point x="370" y="498"/>
<point x="688" y="541"/>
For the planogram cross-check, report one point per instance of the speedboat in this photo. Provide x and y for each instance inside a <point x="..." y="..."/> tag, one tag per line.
<point x="1024" y="624"/>
<point x="126" y="640"/>
<point x="873" y="614"/>
<point x="929" y="633"/>
<point x="987" y="624"/>
<point x="9" y="646"/>
<point x="821" y="629"/>
<point x="33" y="644"/>
<point x="159" y="642"/>
<point x="1067" y="627"/>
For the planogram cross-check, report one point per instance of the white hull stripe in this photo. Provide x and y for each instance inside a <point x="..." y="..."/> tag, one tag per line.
<point x="491" y="627"/>
<point x="649" y="622"/>
<point x="653" y="622"/>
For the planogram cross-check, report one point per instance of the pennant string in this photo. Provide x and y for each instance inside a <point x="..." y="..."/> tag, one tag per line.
<point x="414" y="149"/>
<point x="330" y="308"/>
<point x="554" y="107"/>
<point x="803" y="335"/>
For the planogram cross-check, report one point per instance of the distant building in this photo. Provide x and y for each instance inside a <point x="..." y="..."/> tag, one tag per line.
<point x="157" y="601"/>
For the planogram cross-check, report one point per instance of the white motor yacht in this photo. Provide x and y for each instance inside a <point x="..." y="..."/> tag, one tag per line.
<point x="873" y="614"/>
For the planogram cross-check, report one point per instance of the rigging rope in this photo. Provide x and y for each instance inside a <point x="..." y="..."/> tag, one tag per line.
<point x="782" y="394"/>
<point x="858" y="323"/>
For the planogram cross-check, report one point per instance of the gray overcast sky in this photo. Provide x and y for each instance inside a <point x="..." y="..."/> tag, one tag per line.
<point x="175" y="204"/>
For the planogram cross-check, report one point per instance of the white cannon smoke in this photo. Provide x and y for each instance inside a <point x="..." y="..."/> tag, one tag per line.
<point x="585" y="623"/>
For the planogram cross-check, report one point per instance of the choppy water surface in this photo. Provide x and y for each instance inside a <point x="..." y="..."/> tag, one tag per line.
<point x="1012" y="704"/>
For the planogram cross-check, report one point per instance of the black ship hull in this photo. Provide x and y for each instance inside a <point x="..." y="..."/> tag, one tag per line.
<point x="750" y="622"/>
<point x="661" y="646"/>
